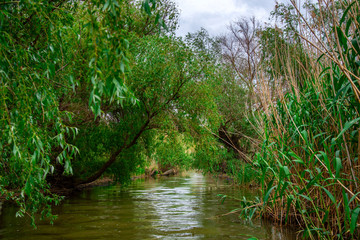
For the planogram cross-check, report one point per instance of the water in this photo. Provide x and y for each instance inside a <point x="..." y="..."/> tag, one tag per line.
<point x="168" y="208"/>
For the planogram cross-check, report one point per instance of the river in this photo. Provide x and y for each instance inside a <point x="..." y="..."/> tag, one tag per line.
<point x="183" y="207"/>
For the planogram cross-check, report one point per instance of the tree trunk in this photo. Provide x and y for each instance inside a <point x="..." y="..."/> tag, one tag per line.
<point x="114" y="155"/>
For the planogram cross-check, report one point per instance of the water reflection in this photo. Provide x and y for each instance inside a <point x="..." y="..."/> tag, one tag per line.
<point x="168" y="208"/>
<point x="178" y="209"/>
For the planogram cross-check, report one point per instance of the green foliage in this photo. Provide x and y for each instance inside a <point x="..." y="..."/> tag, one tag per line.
<point x="63" y="64"/>
<point x="310" y="155"/>
<point x="32" y="125"/>
<point x="173" y="150"/>
<point x="174" y="102"/>
<point x="231" y="97"/>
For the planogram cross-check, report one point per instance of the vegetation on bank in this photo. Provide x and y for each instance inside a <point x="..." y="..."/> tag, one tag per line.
<point x="104" y="87"/>
<point x="309" y="161"/>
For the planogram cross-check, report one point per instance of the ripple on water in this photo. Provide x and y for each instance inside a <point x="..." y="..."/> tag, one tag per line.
<point x="166" y="208"/>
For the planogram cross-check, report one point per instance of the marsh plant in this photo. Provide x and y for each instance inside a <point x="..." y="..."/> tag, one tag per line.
<point x="309" y="91"/>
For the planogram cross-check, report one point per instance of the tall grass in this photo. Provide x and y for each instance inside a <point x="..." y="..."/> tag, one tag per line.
<point x="310" y="127"/>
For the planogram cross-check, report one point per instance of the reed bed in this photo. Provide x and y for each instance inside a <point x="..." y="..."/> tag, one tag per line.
<point x="309" y="162"/>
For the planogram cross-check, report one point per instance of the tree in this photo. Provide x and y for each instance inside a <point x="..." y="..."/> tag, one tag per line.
<point x="235" y="131"/>
<point x="33" y="75"/>
<point x="165" y="78"/>
<point x="239" y="51"/>
<point x="50" y="50"/>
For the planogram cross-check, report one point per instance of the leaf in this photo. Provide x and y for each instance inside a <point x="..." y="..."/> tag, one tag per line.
<point x="15" y="150"/>
<point x="290" y="199"/>
<point x="268" y="194"/>
<point x="284" y="187"/>
<point x="106" y="5"/>
<point x="346" y="12"/>
<point x="28" y="187"/>
<point x="332" y="198"/>
<point x="347" y="126"/>
<point x="342" y="38"/>
<point x="354" y="217"/>
<point x="52" y="69"/>
<point x="355" y="43"/>
<point x="157" y="18"/>
<point x="338" y="166"/>
<point x="353" y="197"/>
<point x="311" y="183"/>
<point x="304" y="134"/>
<point x="223" y="198"/>
<point x="326" y="161"/>
<point x="346" y="205"/>
<point x="306" y="197"/>
<point x="146" y="7"/>
<point x="326" y="216"/>
<point x="296" y="159"/>
<point x="122" y="67"/>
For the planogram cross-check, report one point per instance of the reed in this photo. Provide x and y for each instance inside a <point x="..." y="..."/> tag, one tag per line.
<point x="309" y="162"/>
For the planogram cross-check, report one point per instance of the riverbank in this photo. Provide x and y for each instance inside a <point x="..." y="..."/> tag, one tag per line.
<point x="106" y="181"/>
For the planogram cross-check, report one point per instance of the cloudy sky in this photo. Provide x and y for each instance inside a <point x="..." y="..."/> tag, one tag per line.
<point x="215" y="15"/>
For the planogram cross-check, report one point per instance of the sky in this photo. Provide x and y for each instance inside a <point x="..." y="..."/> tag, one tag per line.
<point x="216" y="15"/>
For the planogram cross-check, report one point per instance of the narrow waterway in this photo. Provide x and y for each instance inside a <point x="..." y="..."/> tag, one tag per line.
<point x="185" y="207"/>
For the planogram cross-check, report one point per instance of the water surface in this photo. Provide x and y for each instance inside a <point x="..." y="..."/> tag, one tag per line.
<point x="167" y="208"/>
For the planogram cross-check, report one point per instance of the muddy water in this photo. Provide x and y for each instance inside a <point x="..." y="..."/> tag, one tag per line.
<point x="184" y="207"/>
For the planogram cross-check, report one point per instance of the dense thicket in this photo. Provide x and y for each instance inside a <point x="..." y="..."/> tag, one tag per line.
<point x="309" y="95"/>
<point x="87" y="88"/>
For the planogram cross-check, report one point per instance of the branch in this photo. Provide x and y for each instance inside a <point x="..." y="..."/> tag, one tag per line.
<point x="115" y="154"/>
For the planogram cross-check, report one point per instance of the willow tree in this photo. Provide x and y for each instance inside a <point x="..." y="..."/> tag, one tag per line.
<point x="172" y="95"/>
<point x="96" y="76"/>
<point x="42" y="46"/>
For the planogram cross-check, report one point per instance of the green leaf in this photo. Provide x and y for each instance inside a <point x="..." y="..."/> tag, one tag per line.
<point x="346" y="12"/>
<point x="353" y="197"/>
<point x="286" y="171"/>
<point x="106" y="5"/>
<point x="157" y="18"/>
<point x="346" y="205"/>
<point x="268" y="194"/>
<point x="296" y="159"/>
<point x="289" y="201"/>
<point x="347" y="126"/>
<point x="338" y="166"/>
<point x="146" y="7"/>
<point x="354" y="217"/>
<point x="306" y="197"/>
<point x="342" y="38"/>
<point x="355" y="43"/>
<point x="304" y="134"/>
<point x="122" y="67"/>
<point x="332" y="198"/>
<point x="326" y="161"/>
<point x="28" y="187"/>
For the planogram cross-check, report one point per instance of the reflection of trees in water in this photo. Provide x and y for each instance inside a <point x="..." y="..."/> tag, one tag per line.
<point x="166" y="208"/>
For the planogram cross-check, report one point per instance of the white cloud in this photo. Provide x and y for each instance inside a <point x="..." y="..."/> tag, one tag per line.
<point x="215" y="15"/>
